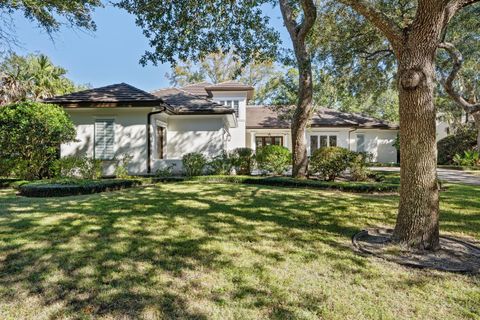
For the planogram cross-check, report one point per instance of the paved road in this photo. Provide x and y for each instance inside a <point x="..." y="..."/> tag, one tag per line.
<point x="456" y="176"/>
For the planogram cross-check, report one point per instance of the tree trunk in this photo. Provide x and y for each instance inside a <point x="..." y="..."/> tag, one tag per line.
<point x="417" y="221"/>
<point x="476" y="118"/>
<point x="300" y="120"/>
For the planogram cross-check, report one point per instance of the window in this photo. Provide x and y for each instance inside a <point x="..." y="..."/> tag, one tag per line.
<point x="104" y="139"/>
<point x="234" y="104"/>
<point x="266" y="141"/>
<point x="360" y="143"/>
<point x="313" y="144"/>
<point x="332" y="141"/>
<point x="161" y="142"/>
<point x="322" y="142"/>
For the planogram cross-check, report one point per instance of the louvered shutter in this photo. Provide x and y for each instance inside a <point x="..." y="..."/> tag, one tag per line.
<point x="104" y="139"/>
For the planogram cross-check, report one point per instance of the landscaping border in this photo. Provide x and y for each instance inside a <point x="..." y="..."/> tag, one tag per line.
<point x="46" y="189"/>
<point x="355" y="187"/>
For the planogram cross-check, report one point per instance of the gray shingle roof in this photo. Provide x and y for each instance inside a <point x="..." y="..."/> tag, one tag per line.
<point x="267" y="117"/>
<point x="183" y="102"/>
<point x="114" y="94"/>
<point x="197" y="89"/>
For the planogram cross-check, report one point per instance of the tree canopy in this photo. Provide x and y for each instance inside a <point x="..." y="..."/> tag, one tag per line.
<point x="48" y="15"/>
<point x="32" y="77"/>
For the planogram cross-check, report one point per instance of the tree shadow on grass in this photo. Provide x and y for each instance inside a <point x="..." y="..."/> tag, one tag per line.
<point x="154" y="251"/>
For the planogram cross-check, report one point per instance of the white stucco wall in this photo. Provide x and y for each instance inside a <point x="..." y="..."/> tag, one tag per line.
<point x="130" y="135"/>
<point x="237" y="138"/>
<point x="377" y="142"/>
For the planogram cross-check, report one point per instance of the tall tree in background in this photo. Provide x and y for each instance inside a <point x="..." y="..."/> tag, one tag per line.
<point x="189" y="30"/>
<point x="459" y="64"/>
<point x="46" y="14"/>
<point x="32" y="77"/>
<point x="414" y="36"/>
<point x="219" y="67"/>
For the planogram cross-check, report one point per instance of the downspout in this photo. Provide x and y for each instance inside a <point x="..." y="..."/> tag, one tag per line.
<point x="349" y="144"/>
<point x="149" y="137"/>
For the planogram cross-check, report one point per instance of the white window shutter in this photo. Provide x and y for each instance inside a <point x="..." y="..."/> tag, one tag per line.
<point x="104" y="139"/>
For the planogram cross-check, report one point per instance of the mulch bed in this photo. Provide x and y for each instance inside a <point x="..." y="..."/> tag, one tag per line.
<point x="456" y="255"/>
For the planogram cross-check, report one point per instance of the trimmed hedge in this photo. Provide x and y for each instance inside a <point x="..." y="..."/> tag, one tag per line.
<point x="73" y="188"/>
<point x="7" y="182"/>
<point x="356" y="187"/>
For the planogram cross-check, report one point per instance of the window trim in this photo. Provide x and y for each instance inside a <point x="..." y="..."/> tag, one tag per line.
<point x="319" y="140"/>
<point x="268" y="137"/>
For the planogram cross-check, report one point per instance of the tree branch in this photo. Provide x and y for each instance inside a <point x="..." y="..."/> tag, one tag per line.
<point x="457" y="60"/>
<point x="387" y="26"/>
<point x="310" y="15"/>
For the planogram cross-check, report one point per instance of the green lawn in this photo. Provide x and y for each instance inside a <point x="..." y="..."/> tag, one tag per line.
<point x="220" y="251"/>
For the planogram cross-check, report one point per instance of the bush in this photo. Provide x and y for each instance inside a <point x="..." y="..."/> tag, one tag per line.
<point x="330" y="162"/>
<point x="243" y="160"/>
<point x="468" y="158"/>
<point x="273" y="159"/>
<point x="165" y="172"/>
<point x="62" y="188"/>
<point x="358" y="166"/>
<point x="464" y="139"/>
<point x="121" y="169"/>
<point x="221" y="164"/>
<point x="77" y="167"/>
<point x="193" y="164"/>
<point x="30" y="136"/>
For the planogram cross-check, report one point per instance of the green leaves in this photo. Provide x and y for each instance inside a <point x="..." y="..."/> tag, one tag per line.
<point x="32" y="77"/>
<point x="30" y="136"/>
<point x="181" y="30"/>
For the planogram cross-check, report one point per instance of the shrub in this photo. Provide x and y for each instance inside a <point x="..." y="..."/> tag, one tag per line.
<point x="358" y="166"/>
<point x="464" y="139"/>
<point x="273" y="159"/>
<point x="62" y="188"/>
<point x="243" y="160"/>
<point x="468" y="158"/>
<point x="193" y="164"/>
<point x="221" y="164"/>
<point x="77" y="167"/>
<point x="67" y="167"/>
<point x="330" y="162"/>
<point x="121" y="169"/>
<point x="90" y="168"/>
<point x="30" y="136"/>
<point x="166" y="171"/>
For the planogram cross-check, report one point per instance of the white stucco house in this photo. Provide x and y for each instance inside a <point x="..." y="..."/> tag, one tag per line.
<point x="158" y="128"/>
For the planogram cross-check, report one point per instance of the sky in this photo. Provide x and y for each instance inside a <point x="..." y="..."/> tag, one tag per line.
<point x="109" y="55"/>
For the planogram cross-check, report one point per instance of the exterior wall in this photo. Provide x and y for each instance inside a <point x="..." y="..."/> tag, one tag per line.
<point x="130" y="135"/>
<point x="185" y="134"/>
<point x="237" y="137"/>
<point x="377" y="142"/>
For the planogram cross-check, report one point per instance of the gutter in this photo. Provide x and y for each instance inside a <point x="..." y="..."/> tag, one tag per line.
<point x="149" y="137"/>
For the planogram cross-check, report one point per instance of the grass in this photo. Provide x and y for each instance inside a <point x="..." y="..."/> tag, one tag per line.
<point x="193" y="250"/>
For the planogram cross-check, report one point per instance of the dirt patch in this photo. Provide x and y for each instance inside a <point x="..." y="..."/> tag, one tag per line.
<point x="455" y="255"/>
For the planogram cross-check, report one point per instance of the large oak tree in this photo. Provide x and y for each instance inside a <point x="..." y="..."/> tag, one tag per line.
<point x="415" y="42"/>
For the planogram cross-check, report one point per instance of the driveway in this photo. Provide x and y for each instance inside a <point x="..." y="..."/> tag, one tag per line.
<point x="455" y="176"/>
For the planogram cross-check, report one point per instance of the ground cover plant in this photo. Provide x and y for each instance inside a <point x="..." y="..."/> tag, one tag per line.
<point x="195" y="250"/>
